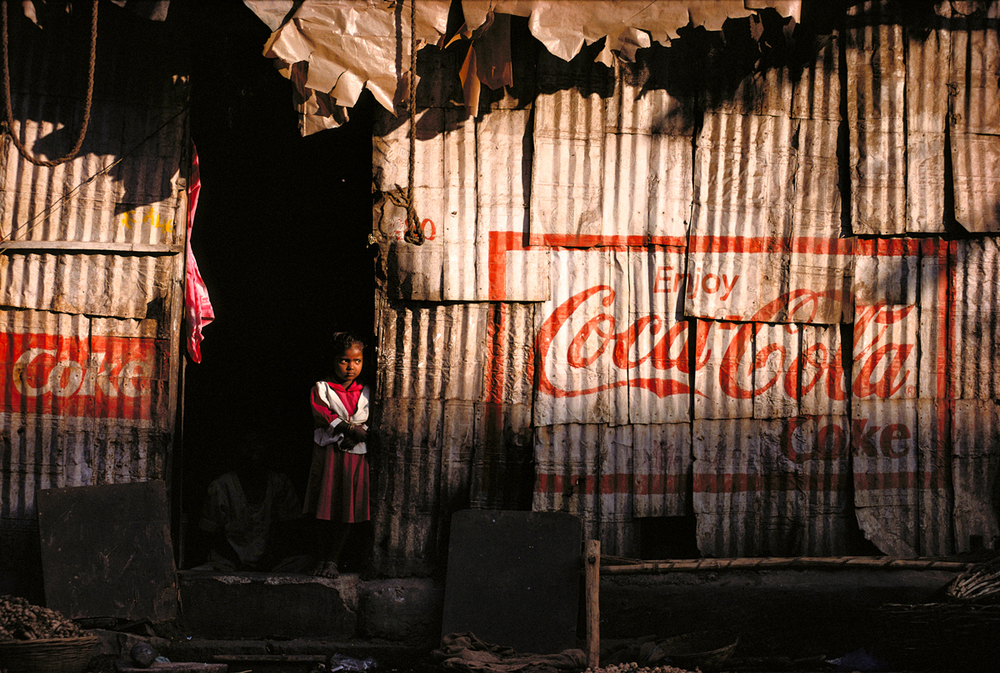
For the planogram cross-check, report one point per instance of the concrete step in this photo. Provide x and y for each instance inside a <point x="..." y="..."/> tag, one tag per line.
<point x="260" y="606"/>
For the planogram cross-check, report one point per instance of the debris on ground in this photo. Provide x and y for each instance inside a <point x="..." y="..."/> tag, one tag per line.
<point x="466" y="653"/>
<point x="21" y="620"/>
<point x="340" y="662"/>
<point x="635" y="668"/>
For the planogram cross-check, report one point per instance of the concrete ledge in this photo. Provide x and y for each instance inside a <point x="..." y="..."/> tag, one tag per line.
<point x="407" y="610"/>
<point x="387" y="654"/>
<point x="260" y="605"/>
<point x="796" y="613"/>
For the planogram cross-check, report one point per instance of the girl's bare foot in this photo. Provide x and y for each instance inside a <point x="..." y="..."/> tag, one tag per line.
<point x="326" y="569"/>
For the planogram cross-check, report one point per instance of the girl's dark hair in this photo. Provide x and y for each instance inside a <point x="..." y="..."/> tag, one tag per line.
<point x="341" y="341"/>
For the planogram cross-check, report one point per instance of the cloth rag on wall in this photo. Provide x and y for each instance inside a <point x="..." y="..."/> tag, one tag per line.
<point x="198" y="311"/>
<point x="466" y="652"/>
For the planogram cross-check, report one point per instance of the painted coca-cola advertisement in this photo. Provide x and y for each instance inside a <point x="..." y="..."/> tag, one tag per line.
<point x="96" y="377"/>
<point x="809" y="404"/>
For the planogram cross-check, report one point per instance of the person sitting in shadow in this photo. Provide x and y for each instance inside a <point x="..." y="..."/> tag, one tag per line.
<point x="251" y="515"/>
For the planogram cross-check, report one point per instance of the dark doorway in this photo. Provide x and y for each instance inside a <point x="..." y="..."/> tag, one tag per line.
<point x="281" y="238"/>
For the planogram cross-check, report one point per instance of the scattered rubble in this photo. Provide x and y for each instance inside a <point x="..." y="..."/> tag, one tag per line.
<point x="635" y="668"/>
<point x="20" y="620"/>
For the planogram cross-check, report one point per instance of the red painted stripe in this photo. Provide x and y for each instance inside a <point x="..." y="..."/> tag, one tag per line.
<point x="637" y="484"/>
<point x="721" y="483"/>
<point x="770" y="483"/>
<point x="757" y="245"/>
<point x="897" y="247"/>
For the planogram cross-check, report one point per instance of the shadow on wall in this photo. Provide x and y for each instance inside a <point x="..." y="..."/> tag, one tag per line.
<point x="157" y="113"/>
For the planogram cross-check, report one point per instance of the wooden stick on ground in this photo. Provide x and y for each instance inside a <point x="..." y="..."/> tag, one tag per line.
<point x="633" y="566"/>
<point x="592" y="584"/>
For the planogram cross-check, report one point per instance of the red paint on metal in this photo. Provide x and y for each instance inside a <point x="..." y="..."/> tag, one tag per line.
<point x="97" y="377"/>
<point x="586" y="484"/>
<point x="771" y="482"/>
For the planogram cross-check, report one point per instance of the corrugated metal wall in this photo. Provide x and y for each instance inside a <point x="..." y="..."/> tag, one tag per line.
<point x="91" y="270"/>
<point x="652" y="290"/>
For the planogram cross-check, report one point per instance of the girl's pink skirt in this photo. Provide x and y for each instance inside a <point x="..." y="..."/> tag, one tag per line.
<point x="343" y="488"/>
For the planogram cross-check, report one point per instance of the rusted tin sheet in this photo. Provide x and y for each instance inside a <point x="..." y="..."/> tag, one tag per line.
<point x="976" y="159"/>
<point x="771" y="488"/>
<point x="615" y="467"/>
<point x="901" y="474"/>
<point x="747" y="172"/>
<point x="586" y="470"/>
<point x="816" y="209"/>
<point x="886" y="322"/>
<point x="611" y="345"/>
<point x="902" y="300"/>
<point x="647" y="187"/>
<point x="975" y="118"/>
<point x="509" y="354"/>
<point x="91" y="267"/>
<point x="935" y="330"/>
<point x="413" y="276"/>
<point x="567" y="471"/>
<point x="612" y="476"/>
<point x="776" y="371"/>
<point x="502" y="208"/>
<point x="816" y="88"/>
<point x="83" y="403"/>
<point x="928" y="68"/>
<point x="577" y="374"/>
<point x="816" y="199"/>
<point x="976" y="320"/>
<point x="876" y="78"/>
<point x="436" y="351"/>
<point x="502" y="471"/>
<point x="661" y="461"/>
<point x="975" y="471"/>
<point x="109" y="285"/>
<point x="567" y="173"/>
<point x="441" y="446"/>
<point x="651" y="348"/>
<point x="467" y="202"/>
<point x="457" y="201"/>
<point x="127" y="189"/>
<point x="743" y="174"/>
<point x="61" y="366"/>
<point x="821" y="379"/>
<point x="503" y="466"/>
<point x="724" y="344"/>
<point x="782" y="344"/>
<point x="422" y="472"/>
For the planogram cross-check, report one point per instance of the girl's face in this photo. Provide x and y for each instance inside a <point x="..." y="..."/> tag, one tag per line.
<point x="347" y="367"/>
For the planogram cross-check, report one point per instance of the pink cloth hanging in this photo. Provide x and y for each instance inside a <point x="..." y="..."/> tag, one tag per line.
<point x="198" y="311"/>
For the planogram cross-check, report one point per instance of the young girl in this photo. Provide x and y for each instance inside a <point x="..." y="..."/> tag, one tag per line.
<point x="337" y="491"/>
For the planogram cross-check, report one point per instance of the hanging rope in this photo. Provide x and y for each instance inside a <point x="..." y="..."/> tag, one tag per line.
<point x="414" y="232"/>
<point x="9" y="121"/>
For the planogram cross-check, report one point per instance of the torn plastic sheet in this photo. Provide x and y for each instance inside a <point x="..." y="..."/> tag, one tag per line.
<point x="333" y="50"/>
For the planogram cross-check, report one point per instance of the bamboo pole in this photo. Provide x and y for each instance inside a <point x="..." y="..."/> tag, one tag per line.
<point x="630" y="567"/>
<point x="592" y="584"/>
